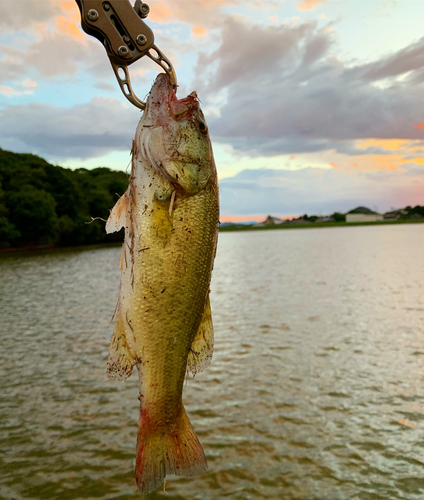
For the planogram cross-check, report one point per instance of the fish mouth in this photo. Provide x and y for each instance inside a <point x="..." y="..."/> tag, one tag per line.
<point x="163" y="94"/>
<point x="183" y="109"/>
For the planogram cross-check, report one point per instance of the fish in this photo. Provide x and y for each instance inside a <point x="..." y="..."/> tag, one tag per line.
<point x="163" y="324"/>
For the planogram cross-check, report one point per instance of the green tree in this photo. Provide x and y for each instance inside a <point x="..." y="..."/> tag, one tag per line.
<point x="43" y="203"/>
<point x="339" y="217"/>
<point x="8" y="231"/>
<point x="33" y="213"/>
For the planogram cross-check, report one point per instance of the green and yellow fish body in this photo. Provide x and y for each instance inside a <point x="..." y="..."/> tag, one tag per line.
<point x="163" y="326"/>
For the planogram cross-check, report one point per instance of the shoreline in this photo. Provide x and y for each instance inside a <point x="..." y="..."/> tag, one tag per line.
<point x="227" y="229"/>
<point x="241" y="227"/>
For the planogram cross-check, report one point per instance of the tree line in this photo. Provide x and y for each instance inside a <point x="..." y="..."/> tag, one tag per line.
<point x="43" y="204"/>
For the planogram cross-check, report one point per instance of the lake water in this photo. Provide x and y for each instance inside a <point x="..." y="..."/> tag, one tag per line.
<point x="316" y="389"/>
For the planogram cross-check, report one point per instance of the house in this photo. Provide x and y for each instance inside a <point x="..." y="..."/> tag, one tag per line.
<point x="300" y="220"/>
<point x="395" y="214"/>
<point x="362" y="214"/>
<point x="325" y="219"/>
<point x="272" y="221"/>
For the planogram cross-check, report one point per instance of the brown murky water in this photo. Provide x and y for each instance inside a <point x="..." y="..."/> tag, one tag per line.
<point x="316" y="390"/>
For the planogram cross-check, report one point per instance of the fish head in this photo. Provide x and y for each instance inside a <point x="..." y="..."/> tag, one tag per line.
<point x="175" y="138"/>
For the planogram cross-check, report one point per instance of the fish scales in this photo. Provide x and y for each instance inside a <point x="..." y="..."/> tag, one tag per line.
<point x="163" y="326"/>
<point x="170" y="297"/>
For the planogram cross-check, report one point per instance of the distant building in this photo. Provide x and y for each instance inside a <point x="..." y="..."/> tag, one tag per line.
<point x="325" y="219"/>
<point x="395" y="214"/>
<point x="363" y="217"/>
<point x="301" y="220"/>
<point x="272" y="221"/>
<point x="362" y="214"/>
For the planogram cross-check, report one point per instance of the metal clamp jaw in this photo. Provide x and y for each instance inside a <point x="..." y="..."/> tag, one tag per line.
<point x="125" y="36"/>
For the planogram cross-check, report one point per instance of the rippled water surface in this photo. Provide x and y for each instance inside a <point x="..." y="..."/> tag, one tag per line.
<point x="315" y="390"/>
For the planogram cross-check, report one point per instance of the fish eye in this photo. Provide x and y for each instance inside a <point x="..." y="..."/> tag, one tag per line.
<point x="203" y="128"/>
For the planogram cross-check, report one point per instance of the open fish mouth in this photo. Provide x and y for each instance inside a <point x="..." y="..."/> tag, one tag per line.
<point x="183" y="109"/>
<point x="162" y="95"/>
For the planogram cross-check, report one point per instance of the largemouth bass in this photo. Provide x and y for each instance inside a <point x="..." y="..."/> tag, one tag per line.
<point x="170" y="213"/>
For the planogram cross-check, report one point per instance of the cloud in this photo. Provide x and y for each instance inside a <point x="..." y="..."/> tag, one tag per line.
<point x="38" y="15"/>
<point x="198" y="31"/>
<point x="193" y="12"/>
<point x="319" y="191"/>
<point x="53" y="55"/>
<point x="27" y="86"/>
<point x="288" y="93"/>
<point x="53" y="46"/>
<point x="29" y="83"/>
<point x="309" y="4"/>
<point x="408" y="59"/>
<point x="160" y="13"/>
<point x="266" y="5"/>
<point x="18" y="15"/>
<point x="50" y="43"/>
<point x="70" y="27"/>
<point x="56" y="133"/>
<point x="239" y="60"/>
<point x="268" y="89"/>
<point x="8" y="91"/>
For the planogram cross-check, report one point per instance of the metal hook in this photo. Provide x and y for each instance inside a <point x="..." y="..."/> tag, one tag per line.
<point x="125" y="83"/>
<point x="125" y="36"/>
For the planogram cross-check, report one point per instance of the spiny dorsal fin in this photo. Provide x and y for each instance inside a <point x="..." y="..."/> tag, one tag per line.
<point x="120" y="363"/>
<point x="118" y="214"/>
<point x="201" y="349"/>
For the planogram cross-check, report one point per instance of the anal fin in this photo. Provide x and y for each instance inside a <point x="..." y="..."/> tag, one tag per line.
<point x="120" y="363"/>
<point x="201" y="349"/>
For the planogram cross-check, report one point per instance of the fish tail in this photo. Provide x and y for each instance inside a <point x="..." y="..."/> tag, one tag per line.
<point x="170" y="449"/>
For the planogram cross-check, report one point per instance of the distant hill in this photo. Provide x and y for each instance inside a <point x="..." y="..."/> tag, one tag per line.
<point x="43" y="204"/>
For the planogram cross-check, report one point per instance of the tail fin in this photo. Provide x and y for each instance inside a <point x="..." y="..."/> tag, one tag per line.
<point x="162" y="450"/>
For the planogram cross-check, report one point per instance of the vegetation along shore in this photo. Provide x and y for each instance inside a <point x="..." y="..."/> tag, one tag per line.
<point x="42" y="205"/>
<point x="45" y="206"/>
<point x="258" y="227"/>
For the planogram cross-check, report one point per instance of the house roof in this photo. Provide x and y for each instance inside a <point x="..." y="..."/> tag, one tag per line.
<point x="362" y="210"/>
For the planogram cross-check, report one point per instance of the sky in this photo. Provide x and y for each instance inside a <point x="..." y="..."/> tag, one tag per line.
<point x="313" y="106"/>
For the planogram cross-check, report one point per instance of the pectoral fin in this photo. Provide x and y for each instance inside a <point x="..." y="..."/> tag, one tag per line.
<point x="118" y="214"/>
<point x="120" y="363"/>
<point x="201" y="349"/>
